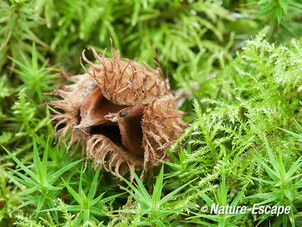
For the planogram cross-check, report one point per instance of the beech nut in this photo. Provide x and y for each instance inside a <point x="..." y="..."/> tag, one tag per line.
<point x="122" y="113"/>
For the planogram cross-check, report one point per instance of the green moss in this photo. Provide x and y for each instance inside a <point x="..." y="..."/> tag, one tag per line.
<point x="240" y="85"/>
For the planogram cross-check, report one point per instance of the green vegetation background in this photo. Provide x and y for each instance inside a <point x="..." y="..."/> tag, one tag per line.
<point x="238" y="65"/>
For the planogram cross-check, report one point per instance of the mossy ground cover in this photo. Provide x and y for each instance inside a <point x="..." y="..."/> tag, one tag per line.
<point x="238" y="68"/>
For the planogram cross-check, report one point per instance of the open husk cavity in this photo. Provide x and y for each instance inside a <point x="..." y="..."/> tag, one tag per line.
<point x="122" y="113"/>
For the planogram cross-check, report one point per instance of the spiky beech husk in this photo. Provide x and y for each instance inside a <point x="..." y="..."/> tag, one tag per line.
<point x="123" y="113"/>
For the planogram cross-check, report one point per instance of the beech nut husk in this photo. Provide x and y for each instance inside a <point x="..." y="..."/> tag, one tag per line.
<point x="122" y="113"/>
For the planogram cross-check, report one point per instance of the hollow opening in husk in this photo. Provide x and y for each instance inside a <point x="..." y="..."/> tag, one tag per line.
<point x="123" y="128"/>
<point x="110" y="131"/>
